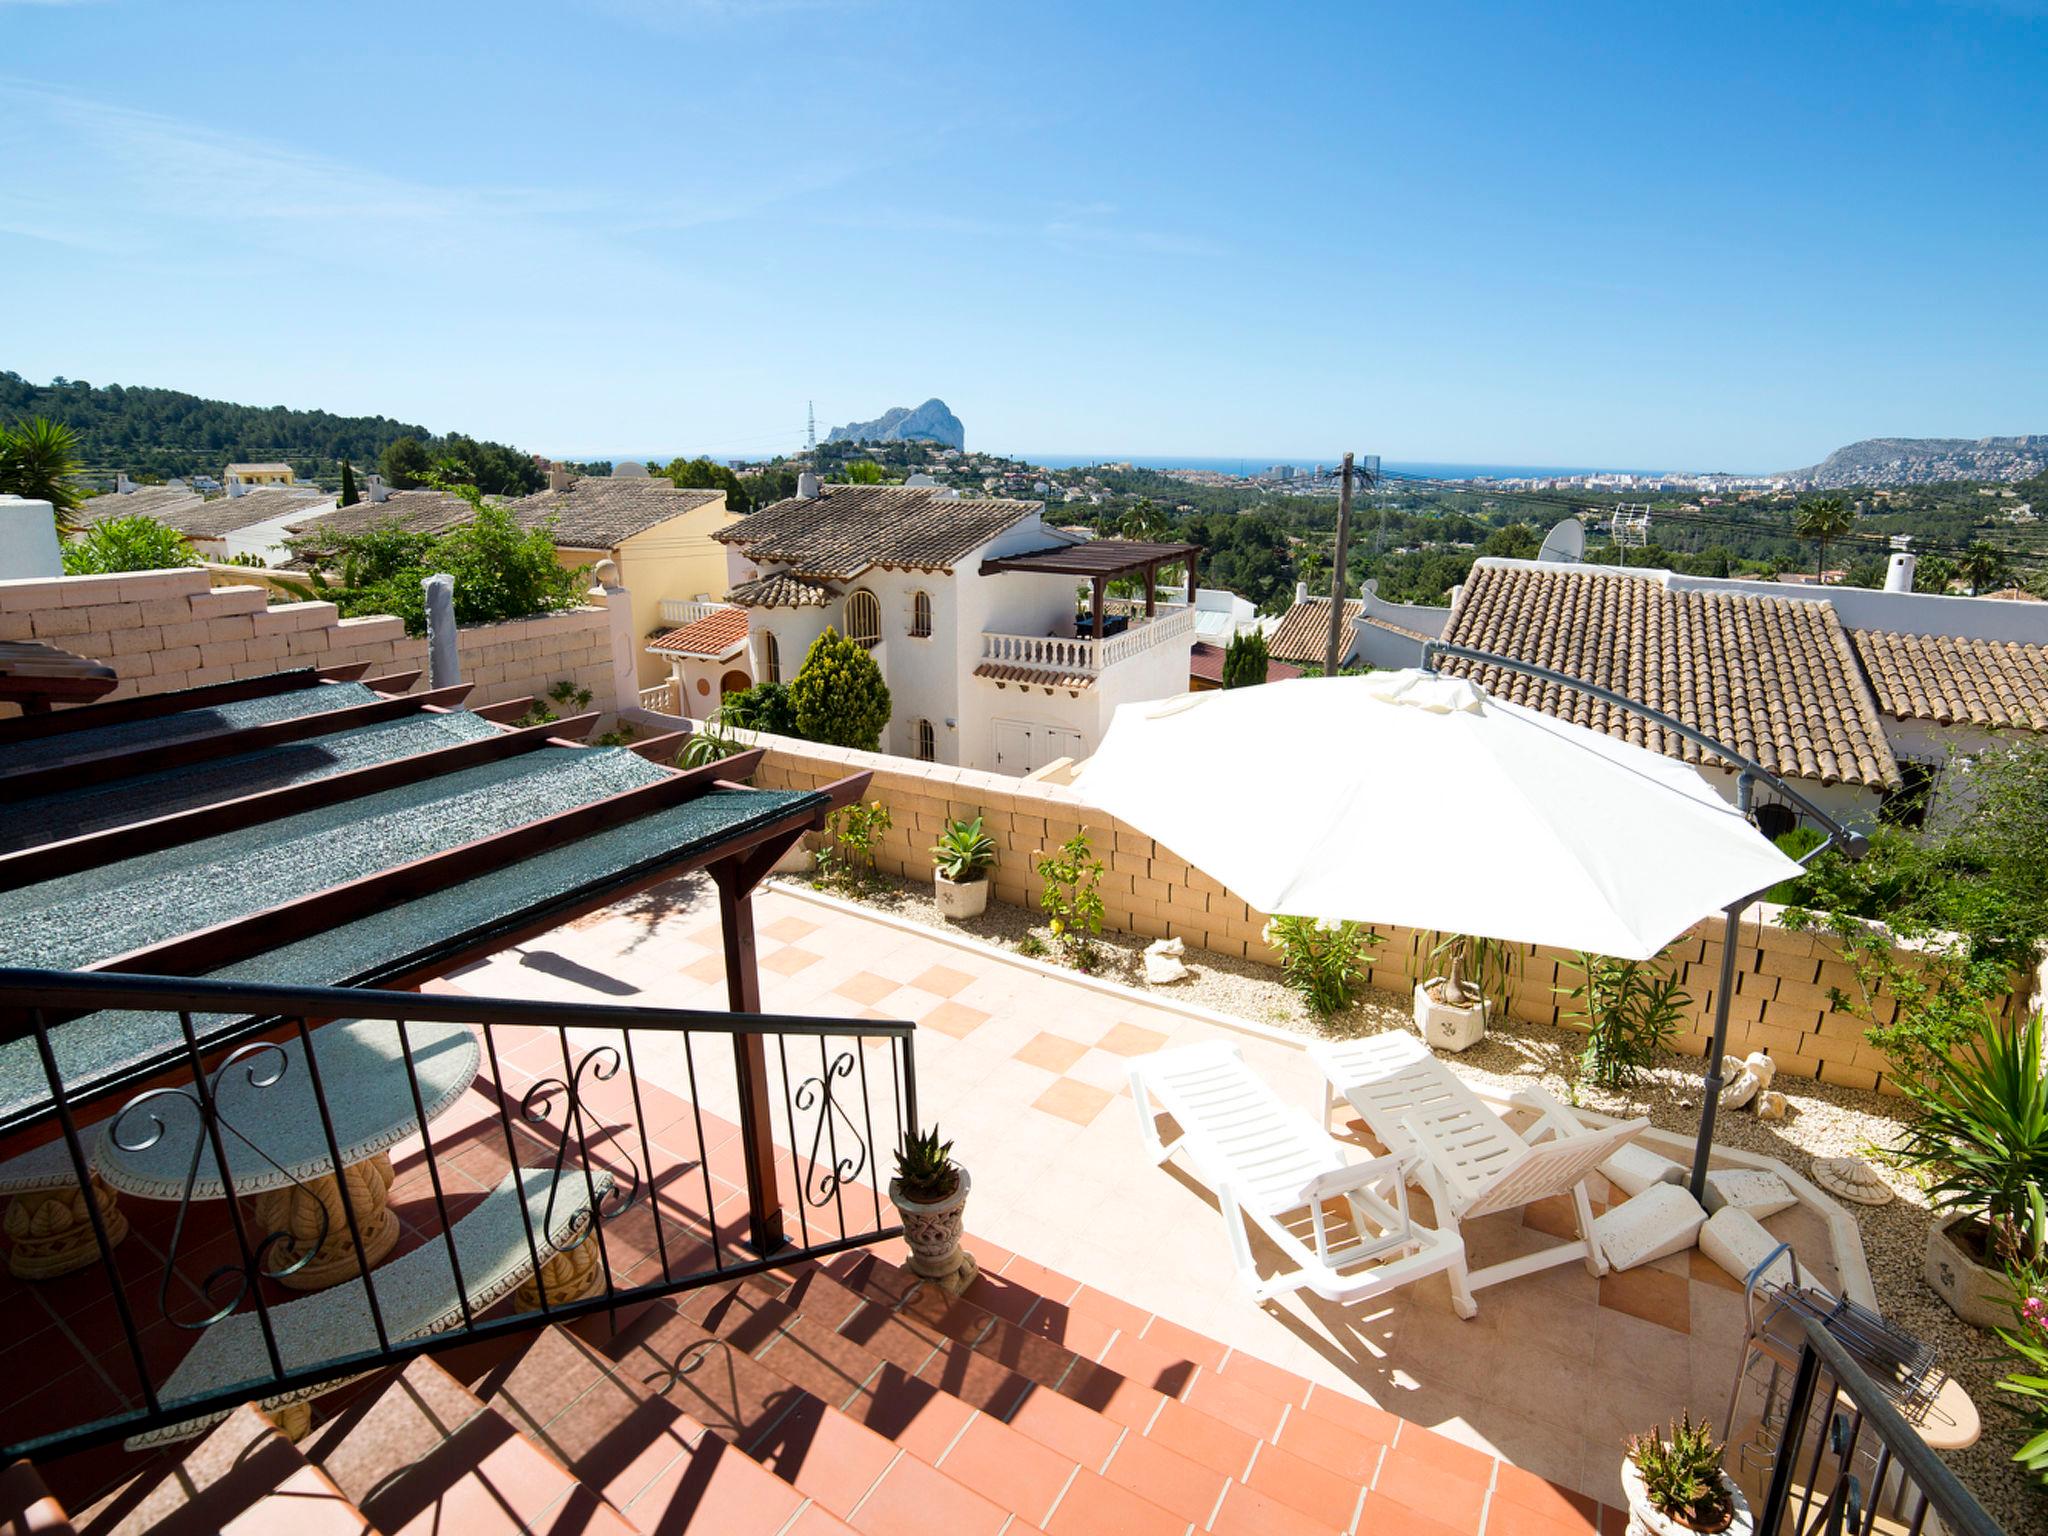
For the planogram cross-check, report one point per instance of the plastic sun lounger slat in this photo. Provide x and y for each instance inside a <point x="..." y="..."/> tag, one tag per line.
<point x="415" y="1291"/>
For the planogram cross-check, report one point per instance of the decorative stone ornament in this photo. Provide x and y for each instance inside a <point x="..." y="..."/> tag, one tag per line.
<point x="1851" y="1179"/>
<point x="932" y="1232"/>
<point x="959" y="899"/>
<point x="1163" y="963"/>
<point x="1449" y="1026"/>
<point x="297" y="1211"/>
<point x="50" y="1231"/>
<point x="1645" y="1519"/>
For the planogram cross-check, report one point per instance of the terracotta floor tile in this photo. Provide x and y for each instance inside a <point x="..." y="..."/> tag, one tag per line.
<point x="788" y="960"/>
<point x="1352" y="1414"/>
<point x="1444" y="1454"/>
<point x="1201" y="1438"/>
<point x="1055" y="1053"/>
<point x="1113" y="1310"/>
<point x="1125" y="1039"/>
<point x="1706" y="1272"/>
<point x="1553" y="1216"/>
<point x="1065" y="1426"/>
<point x="866" y="987"/>
<point x="1515" y="1486"/>
<point x="1048" y="1284"/>
<point x="789" y="930"/>
<point x="1231" y="1400"/>
<point x="1262" y="1376"/>
<point x="1094" y="1506"/>
<point x="1653" y="1295"/>
<point x="1166" y="1478"/>
<point x="912" y="1499"/>
<point x="710" y="968"/>
<point x="1185" y="1343"/>
<point x="943" y="981"/>
<point x="1423" y="1487"/>
<point x="1506" y="1518"/>
<point x="1072" y="1101"/>
<point x="1002" y="1464"/>
<point x="1336" y="1449"/>
<point x="955" y="1020"/>
<point x="1150" y="1365"/>
<point x="1387" y="1517"/>
<point x="1248" y="1511"/>
<point x="1305" y="1486"/>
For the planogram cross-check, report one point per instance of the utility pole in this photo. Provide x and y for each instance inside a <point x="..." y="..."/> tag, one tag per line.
<point x="1334" y="647"/>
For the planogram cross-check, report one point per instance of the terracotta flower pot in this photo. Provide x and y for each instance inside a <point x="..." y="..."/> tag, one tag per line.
<point x="932" y="1230"/>
<point x="960" y="898"/>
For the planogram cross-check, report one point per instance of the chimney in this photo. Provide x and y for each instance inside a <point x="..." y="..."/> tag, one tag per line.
<point x="1301" y="591"/>
<point x="807" y="485"/>
<point x="374" y="489"/>
<point x="1898" y="572"/>
<point x="235" y="486"/>
<point x="123" y="486"/>
<point x="559" y="479"/>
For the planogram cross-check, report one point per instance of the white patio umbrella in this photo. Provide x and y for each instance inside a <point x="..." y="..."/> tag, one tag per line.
<point x="1417" y="799"/>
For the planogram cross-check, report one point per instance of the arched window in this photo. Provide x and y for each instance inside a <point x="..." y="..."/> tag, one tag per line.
<point x="921" y="615"/>
<point x="864" y="619"/>
<point x="927" y="739"/>
<point x="771" y="657"/>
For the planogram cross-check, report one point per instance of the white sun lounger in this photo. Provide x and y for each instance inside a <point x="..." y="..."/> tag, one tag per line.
<point x="1469" y="1159"/>
<point x="1269" y="1164"/>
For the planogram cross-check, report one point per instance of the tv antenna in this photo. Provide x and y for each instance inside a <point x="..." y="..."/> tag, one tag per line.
<point x="1630" y="528"/>
<point x="811" y="431"/>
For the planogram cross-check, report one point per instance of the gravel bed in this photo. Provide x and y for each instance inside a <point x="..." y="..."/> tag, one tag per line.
<point x="1822" y="1121"/>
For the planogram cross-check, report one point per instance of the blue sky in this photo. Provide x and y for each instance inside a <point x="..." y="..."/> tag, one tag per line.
<point x="1697" y="236"/>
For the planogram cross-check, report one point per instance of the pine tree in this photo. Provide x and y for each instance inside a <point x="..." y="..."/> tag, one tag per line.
<point x="1244" y="663"/>
<point x="349" y="494"/>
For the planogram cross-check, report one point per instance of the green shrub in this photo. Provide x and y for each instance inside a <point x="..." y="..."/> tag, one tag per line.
<point x="964" y="851"/>
<point x="126" y="544"/>
<point x="1630" y="1010"/>
<point x="2027" y="1340"/>
<point x="1072" y="900"/>
<point x="1682" y="1475"/>
<point x="1322" y="959"/>
<point x="763" y="707"/>
<point x="1244" y="660"/>
<point x="847" y="863"/>
<point x="839" y="696"/>
<point x="1796" y="844"/>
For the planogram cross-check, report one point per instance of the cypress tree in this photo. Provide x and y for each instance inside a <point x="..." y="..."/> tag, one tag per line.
<point x="349" y="494"/>
<point x="1244" y="663"/>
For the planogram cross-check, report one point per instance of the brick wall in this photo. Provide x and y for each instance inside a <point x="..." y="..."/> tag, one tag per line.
<point x="162" y="630"/>
<point x="1782" y="976"/>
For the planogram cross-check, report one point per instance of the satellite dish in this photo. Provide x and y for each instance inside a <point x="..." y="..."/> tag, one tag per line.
<point x="629" y="469"/>
<point x="1565" y="544"/>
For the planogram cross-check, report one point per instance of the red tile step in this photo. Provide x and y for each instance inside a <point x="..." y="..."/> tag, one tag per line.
<point x="243" y="1479"/>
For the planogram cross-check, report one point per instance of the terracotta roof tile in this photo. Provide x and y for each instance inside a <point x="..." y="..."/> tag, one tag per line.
<point x="716" y="635"/>
<point x="598" y="512"/>
<point x="1303" y="633"/>
<point x="846" y="528"/>
<point x="1775" y="678"/>
<point x="200" y="517"/>
<point x="422" y="511"/>
<point x="1206" y="662"/>
<point x="1395" y="629"/>
<point x="1953" y="681"/>
<point x="780" y="590"/>
<point x="1033" y="677"/>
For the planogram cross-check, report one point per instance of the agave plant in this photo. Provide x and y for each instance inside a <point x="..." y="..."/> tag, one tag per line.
<point x="963" y="851"/>
<point x="925" y="1171"/>
<point x="1682" y="1475"/>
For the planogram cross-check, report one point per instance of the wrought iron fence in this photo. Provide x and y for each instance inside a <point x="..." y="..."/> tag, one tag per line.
<point x="1848" y="1463"/>
<point x="559" y="1160"/>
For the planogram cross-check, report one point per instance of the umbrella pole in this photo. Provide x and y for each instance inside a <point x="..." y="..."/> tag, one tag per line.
<point x="1722" y="990"/>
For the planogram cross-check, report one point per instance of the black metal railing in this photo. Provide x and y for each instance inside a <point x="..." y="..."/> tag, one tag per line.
<point x="260" y="1142"/>
<point x="1866" y="1467"/>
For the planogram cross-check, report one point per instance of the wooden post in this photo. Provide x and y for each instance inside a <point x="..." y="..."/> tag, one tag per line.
<point x="1333" y="648"/>
<point x="1191" y="580"/>
<point x="1151" y="584"/>
<point x="1096" y="610"/>
<point x="750" y="1062"/>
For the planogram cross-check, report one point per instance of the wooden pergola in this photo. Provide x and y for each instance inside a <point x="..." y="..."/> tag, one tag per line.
<point x="1100" y="561"/>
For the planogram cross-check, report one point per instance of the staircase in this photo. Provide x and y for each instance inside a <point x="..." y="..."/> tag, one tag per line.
<point x="841" y="1397"/>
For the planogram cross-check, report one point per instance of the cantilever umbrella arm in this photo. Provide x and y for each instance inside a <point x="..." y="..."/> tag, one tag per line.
<point x="1747" y="772"/>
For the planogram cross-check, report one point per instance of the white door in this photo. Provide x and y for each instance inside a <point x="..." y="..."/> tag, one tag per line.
<point x="1013" y="747"/>
<point x="1055" y="741"/>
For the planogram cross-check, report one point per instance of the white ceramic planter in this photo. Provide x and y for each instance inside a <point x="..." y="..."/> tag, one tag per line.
<point x="797" y="859"/>
<point x="933" y="1231"/>
<point x="1645" y="1520"/>
<point x="960" y="898"/>
<point x="1975" y="1292"/>
<point x="1446" y="1027"/>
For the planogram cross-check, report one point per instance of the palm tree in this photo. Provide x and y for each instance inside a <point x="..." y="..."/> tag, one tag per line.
<point x="39" y="461"/>
<point x="1981" y="565"/>
<point x="1827" y="517"/>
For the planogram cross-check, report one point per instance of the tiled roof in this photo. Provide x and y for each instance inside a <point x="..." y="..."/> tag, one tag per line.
<point x="196" y="516"/>
<point x="151" y="501"/>
<point x="1303" y="634"/>
<point x="598" y="512"/>
<point x="779" y="590"/>
<point x="421" y="511"/>
<point x="1775" y="678"/>
<point x="277" y="468"/>
<point x="846" y="528"/>
<point x="1394" y="629"/>
<point x="1206" y="662"/>
<point x="1954" y="681"/>
<point x="718" y="634"/>
<point x="1034" y="677"/>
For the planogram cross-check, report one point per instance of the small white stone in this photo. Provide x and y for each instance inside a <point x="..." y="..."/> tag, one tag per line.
<point x="1771" y="1106"/>
<point x="1761" y="1064"/>
<point x="1662" y="1219"/>
<point x="1754" y="1190"/>
<point x="1742" y="1090"/>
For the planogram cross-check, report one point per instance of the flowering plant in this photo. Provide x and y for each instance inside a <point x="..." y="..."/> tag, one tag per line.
<point x="848" y="862"/>
<point x="2028" y="1341"/>
<point x="1071" y="899"/>
<point x="1321" y="958"/>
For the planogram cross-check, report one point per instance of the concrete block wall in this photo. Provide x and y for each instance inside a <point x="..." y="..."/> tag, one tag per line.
<point x="1780" y="1002"/>
<point x="162" y="630"/>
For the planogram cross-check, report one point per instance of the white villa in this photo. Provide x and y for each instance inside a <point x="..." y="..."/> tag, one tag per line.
<point x="999" y="642"/>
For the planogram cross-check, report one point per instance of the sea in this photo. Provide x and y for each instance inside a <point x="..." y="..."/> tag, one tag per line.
<point x="1405" y="469"/>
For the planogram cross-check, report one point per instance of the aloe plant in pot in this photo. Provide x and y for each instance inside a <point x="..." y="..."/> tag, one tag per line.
<point x="930" y="1194"/>
<point x="1453" y="1009"/>
<point x="1678" y="1486"/>
<point x="961" y="860"/>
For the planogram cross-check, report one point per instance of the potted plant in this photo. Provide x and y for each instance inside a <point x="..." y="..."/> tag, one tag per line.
<point x="1979" y="1141"/>
<point x="930" y="1194"/>
<point x="1452" y="1010"/>
<point x="961" y="860"/>
<point x="1678" y="1486"/>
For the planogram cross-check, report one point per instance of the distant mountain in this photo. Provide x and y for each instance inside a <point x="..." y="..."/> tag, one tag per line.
<point x="930" y="423"/>
<point x="1927" y="460"/>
